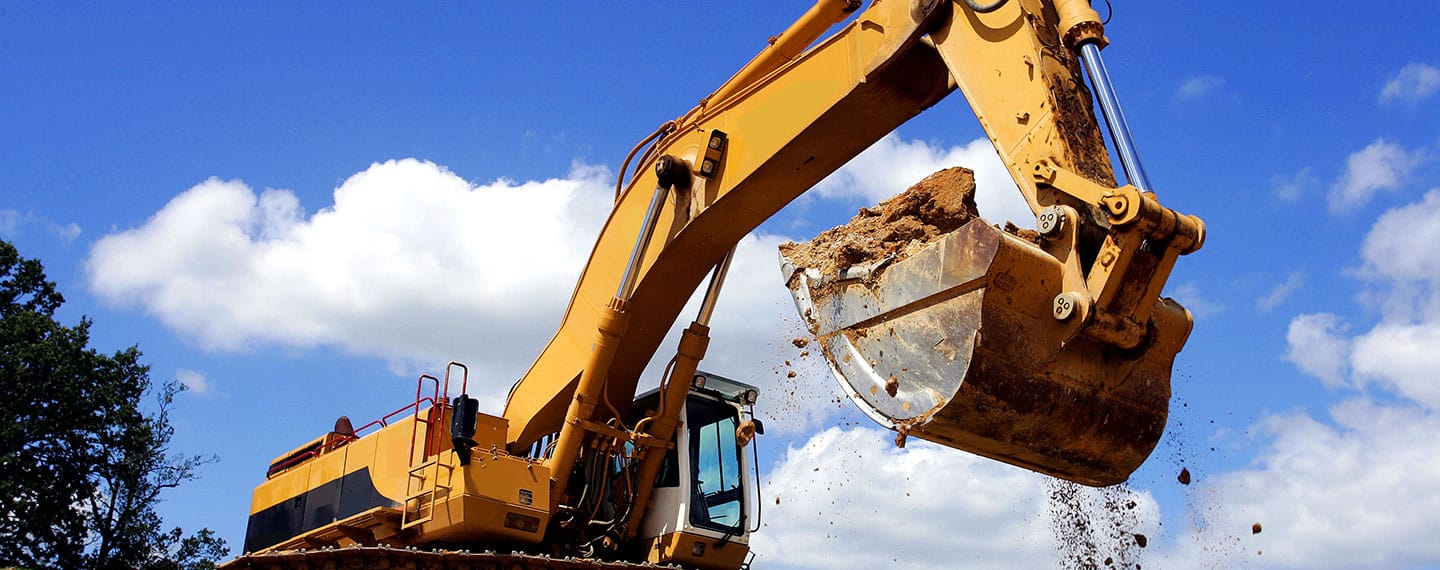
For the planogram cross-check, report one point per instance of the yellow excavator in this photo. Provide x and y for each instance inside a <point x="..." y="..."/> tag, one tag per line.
<point x="1052" y="354"/>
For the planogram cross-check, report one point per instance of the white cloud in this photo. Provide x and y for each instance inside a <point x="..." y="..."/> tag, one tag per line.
<point x="66" y="232"/>
<point x="1382" y="165"/>
<point x="1198" y="86"/>
<point x="1191" y="297"/>
<point x="848" y="498"/>
<point x="194" y="382"/>
<point x="410" y="263"/>
<point x="1318" y="347"/>
<point x="1292" y="188"/>
<point x="1411" y="85"/>
<point x="9" y="222"/>
<point x="1403" y="358"/>
<point x="415" y="265"/>
<point x="1281" y="292"/>
<point x="1363" y="489"/>
<point x="13" y="223"/>
<point x="1399" y="248"/>
<point x="1363" y="493"/>
<point x="891" y="165"/>
<point x="751" y="333"/>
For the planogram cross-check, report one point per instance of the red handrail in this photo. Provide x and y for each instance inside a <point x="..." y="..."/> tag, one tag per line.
<point x="437" y="400"/>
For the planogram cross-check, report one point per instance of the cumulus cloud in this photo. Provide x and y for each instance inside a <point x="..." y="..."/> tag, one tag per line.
<point x="1199" y="86"/>
<point x="415" y="265"/>
<point x="1361" y="489"/>
<point x="1281" y="292"/>
<point x="1293" y="187"/>
<point x="1402" y="358"/>
<point x="751" y="333"/>
<point x="194" y="382"/>
<point x="14" y="222"/>
<point x="1399" y="353"/>
<point x="1200" y="304"/>
<point x="894" y="164"/>
<point x="1411" y="85"/>
<point x="1318" y="347"/>
<point x="1399" y="249"/>
<point x="410" y="262"/>
<point x="1383" y="165"/>
<point x="848" y="498"/>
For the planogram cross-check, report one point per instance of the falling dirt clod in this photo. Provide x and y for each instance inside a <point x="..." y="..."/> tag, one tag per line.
<point x="1184" y="477"/>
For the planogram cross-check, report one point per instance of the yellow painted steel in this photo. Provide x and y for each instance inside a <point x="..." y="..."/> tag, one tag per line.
<point x="694" y="551"/>
<point x="792" y="128"/>
<point x="693" y="343"/>
<point x="788" y="45"/>
<point x="497" y="497"/>
<point x="797" y="124"/>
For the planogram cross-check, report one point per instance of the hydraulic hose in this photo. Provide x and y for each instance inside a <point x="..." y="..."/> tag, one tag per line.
<point x="985" y="8"/>
<point x="664" y="129"/>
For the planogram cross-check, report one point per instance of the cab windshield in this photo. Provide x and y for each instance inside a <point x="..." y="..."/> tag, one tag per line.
<point x="717" y="496"/>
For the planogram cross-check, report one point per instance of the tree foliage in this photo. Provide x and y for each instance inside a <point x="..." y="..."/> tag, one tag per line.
<point x="82" y="465"/>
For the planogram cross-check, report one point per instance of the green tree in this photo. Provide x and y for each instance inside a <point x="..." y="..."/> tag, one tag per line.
<point x="81" y="463"/>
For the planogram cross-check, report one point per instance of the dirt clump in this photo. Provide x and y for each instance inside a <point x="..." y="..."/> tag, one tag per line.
<point x="1031" y="236"/>
<point x="899" y="226"/>
<point x="1255" y="528"/>
<point x="800" y="342"/>
<point x="1184" y="476"/>
<point x="892" y="386"/>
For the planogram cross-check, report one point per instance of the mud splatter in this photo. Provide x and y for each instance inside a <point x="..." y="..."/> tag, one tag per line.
<point x="1095" y="527"/>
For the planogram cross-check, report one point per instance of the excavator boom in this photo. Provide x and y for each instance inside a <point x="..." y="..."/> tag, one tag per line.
<point x="783" y="124"/>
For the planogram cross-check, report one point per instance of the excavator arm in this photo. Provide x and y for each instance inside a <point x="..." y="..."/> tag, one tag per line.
<point x="791" y="118"/>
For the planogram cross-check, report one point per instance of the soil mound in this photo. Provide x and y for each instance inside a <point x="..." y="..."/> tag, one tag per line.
<point x="933" y="207"/>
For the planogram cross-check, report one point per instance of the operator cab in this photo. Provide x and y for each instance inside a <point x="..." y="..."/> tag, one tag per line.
<point x="701" y="509"/>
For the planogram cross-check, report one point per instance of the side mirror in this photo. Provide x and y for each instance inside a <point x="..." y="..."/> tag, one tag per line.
<point x="759" y="426"/>
<point x="464" y="412"/>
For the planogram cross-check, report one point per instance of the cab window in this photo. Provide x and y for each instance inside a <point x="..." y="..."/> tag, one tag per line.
<point x="717" y="500"/>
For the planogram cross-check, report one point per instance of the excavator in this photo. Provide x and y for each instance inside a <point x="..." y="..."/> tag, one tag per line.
<point x="1051" y="354"/>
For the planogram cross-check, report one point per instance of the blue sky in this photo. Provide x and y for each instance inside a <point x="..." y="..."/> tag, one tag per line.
<point x="298" y="209"/>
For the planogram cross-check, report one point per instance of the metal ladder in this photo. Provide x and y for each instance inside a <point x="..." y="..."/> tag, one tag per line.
<point x="423" y="482"/>
<point x="423" y="485"/>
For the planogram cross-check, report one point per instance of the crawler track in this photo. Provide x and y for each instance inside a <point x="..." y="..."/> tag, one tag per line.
<point x="384" y="557"/>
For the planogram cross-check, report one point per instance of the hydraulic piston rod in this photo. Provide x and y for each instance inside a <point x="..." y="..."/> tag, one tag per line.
<point x="1114" y="116"/>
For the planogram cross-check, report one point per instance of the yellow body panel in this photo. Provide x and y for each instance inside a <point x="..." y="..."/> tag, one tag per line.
<point x="695" y="551"/>
<point x="496" y="498"/>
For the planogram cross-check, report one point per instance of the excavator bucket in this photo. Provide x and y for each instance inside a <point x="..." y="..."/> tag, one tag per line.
<point x="952" y="338"/>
